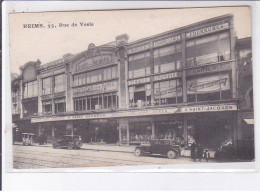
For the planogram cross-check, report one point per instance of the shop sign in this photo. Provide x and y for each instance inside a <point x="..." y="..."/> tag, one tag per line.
<point x="101" y="59"/>
<point x="210" y="68"/>
<point x="139" y="81"/>
<point x="167" y="76"/>
<point x="139" y="48"/>
<point x="207" y="30"/>
<point x="148" y="112"/>
<point x="208" y="84"/>
<point x="109" y="86"/>
<point x="166" y="41"/>
<point x="209" y="108"/>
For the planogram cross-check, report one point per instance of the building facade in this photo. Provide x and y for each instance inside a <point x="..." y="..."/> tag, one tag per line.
<point x="179" y="84"/>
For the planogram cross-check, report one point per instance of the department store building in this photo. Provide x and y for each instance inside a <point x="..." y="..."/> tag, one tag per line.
<point x="180" y="83"/>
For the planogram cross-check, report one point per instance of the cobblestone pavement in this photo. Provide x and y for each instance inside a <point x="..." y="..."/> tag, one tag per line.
<point x="26" y="157"/>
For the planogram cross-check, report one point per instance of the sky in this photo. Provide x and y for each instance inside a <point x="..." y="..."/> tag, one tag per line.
<point x="49" y="44"/>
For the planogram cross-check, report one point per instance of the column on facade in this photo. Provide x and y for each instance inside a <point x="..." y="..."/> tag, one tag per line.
<point x="152" y="70"/>
<point x="233" y="57"/>
<point x="124" y="129"/>
<point x="69" y="125"/>
<point x="39" y="82"/>
<point x="184" y="87"/>
<point x="68" y="86"/>
<point x="153" y="130"/>
<point x="21" y="105"/>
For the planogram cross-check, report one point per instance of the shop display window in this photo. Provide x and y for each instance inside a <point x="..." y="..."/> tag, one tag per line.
<point x="60" y="105"/>
<point x="169" y="130"/>
<point x="140" y="132"/>
<point x="167" y="58"/>
<point x="140" y="95"/>
<point x="59" y="83"/>
<point x="139" y="65"/>
<point x="30" y="89"/>
<point x="208" y="49"/>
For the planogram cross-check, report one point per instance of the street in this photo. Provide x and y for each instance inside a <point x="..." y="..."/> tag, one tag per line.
<point x="26" y="157"/>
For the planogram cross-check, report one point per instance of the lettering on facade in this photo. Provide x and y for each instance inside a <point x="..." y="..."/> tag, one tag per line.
<point x="97" y="60"/>
<point x="139" y="81"/>
<point x="103" y="87"/>
<point x="207" y="30"/>
<point x="167" y="76"/>
<point x="166" y="41"/>
<point x="139" y="48"/>
<point x="211" y="68"/>
<point x="213" y="108"/>
<point x="208" y="84"/>
<point x="172" y="110"/>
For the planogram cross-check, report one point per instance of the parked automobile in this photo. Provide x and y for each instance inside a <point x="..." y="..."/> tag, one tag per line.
<point x="159" y="146"/>
<point x="225" y="152"/>
<point x="27" y="138"/>
<point x="68" y="141"/>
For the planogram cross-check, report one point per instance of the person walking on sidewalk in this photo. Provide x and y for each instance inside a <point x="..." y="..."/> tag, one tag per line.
<point x="200" y="152"/>
<point x="193" y="151"/>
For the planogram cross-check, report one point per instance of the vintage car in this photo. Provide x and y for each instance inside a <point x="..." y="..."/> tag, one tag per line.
<point x="164" y="147"/>
<point x="68" y="141"/>
<point x="28" y="138"/>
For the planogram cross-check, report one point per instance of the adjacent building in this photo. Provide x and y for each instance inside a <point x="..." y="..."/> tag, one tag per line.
<point x="178" y="84"/>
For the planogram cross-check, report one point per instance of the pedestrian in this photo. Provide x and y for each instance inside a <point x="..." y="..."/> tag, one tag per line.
<point x="193" y="151"/>
<point x="206" y="155"/>
<point x="200" y="152"/>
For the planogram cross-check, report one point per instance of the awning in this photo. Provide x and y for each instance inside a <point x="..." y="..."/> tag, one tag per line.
<point x="249" y="121"/>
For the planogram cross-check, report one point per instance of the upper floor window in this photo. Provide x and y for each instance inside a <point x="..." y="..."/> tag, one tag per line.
<point x="167" y="58"/>
<point x="95" y="76"/>
<point x="60" y="105"/>
<point x="59" y="83"/>
<point x="139" y="65"/>
<point x="110" y="73"/>
<point x="102" y="101"/>
<point x="168" y="92"/>
<point x="46" y="106"/>
<point x="140" y="95"/>
<point x="30" y="89"/>
<point x="209" y="88"/>
<point x="47" y="85"/>
<point x="208" y="49"/>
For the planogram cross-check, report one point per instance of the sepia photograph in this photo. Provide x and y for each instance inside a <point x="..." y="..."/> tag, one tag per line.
<point x="131" y="87"/>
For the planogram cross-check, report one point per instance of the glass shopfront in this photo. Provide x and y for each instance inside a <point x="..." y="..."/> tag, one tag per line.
<point x="98" y="131"/>
<point x="210" y="130"/>
<point x="140" y="131"/>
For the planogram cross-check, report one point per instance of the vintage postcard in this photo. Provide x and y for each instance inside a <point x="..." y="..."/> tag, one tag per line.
<point x="131" y="87"/>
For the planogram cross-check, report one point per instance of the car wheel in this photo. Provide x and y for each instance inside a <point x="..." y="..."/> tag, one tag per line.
<point x="70" y="146"/>
<point x="171" y="154"/>
<point x="138" y="152"/>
